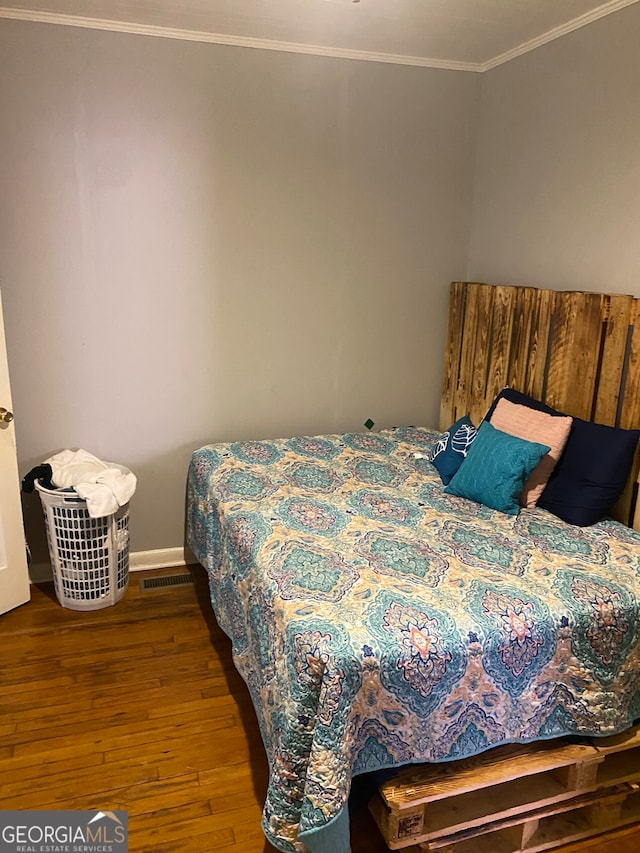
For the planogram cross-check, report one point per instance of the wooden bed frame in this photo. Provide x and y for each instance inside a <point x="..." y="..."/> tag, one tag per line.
<point x="578" y="352"/>
<point x="515" y="798"/>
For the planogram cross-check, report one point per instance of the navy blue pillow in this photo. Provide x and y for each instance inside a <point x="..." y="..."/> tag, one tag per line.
<point x="450" y="449"/>
<point x="591" y="474"/>
<point x="592" y="471"/>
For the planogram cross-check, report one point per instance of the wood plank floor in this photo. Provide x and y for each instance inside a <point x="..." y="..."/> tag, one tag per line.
<point x="139" y="707"/>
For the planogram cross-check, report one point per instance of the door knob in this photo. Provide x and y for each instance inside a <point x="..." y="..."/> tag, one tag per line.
<point x="5" y="416"/>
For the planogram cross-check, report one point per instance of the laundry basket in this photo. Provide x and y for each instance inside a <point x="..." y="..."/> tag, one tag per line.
<point x="89" y="556"/>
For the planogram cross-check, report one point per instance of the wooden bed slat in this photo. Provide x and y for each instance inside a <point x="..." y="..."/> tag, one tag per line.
<point x="480" y="355"/>
<point x="467" y="352"/>
<point x="619" y="317"/>
<point x="630" y="410"/>
<point x="536" y="381"/>
<point x="524" y="317"/>
<point x="457" y="298"/>
<point x="502" y="324"/>
<point x="577" y="352"/>
<point x="588" y="335"/>
<point x="576" y="329"/>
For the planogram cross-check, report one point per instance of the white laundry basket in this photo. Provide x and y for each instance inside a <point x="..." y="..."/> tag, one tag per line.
<point x="89" y="556"/>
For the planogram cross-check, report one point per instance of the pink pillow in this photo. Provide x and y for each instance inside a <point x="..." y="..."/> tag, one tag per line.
<point x="532" y="425"/>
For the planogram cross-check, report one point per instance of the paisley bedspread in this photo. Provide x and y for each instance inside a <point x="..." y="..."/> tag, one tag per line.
<point x="379" y="621"/>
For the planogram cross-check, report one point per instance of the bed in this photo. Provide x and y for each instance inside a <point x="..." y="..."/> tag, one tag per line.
<point x="379" y="619"/>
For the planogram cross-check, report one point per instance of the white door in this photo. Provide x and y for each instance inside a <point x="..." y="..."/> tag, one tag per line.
<point x="14" y="575"/>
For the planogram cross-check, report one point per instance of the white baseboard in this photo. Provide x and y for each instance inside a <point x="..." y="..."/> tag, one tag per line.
<point x="161" y="558"/>
<point x="139" y="561"/>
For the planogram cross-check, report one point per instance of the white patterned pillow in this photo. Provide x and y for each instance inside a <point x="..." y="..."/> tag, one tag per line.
<point x="450" y="449"/>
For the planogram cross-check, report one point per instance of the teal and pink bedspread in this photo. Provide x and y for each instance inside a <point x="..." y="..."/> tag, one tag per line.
<point x="378" y="621"/>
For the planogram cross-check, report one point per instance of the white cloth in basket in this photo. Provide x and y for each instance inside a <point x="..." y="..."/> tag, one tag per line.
<point x="103" y="486"/>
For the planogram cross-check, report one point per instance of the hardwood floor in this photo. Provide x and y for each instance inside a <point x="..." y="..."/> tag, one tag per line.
<point x="139" y="707"/>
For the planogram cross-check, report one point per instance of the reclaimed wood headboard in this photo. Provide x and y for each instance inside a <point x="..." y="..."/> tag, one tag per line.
<point x="578" y="352"/>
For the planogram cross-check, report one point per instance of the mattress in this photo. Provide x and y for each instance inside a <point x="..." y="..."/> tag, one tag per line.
<point x="378" y="621"/>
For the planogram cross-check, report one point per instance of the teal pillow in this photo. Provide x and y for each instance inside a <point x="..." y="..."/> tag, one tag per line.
<point x="495" y="469"/>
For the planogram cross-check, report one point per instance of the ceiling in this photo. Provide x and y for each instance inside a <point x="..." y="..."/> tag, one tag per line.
<point x="472" y="35"/>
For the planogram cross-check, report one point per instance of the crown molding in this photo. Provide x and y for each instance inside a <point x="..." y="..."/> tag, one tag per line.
<point x="237" y="41"/>
<point x="558" y="32"/>
<point x="311" y="49"/>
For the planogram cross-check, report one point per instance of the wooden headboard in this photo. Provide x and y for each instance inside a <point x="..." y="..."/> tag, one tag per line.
<point x="578" y="352"/>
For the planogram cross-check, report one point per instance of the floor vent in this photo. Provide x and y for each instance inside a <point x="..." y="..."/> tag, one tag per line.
<point x="166" y="580"/>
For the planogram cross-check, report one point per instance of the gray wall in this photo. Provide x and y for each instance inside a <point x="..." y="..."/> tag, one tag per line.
<point x="202" y="243"/>
<point x="557" y="189"/>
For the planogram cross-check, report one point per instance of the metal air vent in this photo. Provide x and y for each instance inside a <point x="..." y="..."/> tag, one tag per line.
<point x="165" y="581"/>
